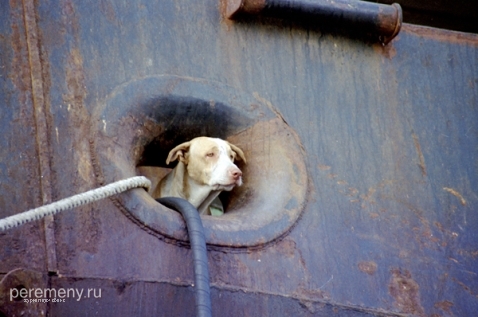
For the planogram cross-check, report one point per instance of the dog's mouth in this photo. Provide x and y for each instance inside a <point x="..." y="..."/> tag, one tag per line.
<point x="228" y="186"/>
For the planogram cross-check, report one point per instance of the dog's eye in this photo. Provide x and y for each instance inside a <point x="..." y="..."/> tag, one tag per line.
<point x="210" y="154"/>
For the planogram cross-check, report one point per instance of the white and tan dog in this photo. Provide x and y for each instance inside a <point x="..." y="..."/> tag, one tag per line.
<point x="205" y="168"/>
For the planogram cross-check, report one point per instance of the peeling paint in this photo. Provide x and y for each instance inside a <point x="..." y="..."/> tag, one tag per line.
<point x="421" y="158"/>
<point x="406" y="293"/>
<point x="369" y="267"/>
<point x="456" y="194"/>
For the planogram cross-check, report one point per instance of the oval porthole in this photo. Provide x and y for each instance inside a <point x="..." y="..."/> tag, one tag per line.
<point x="142" y="120"/>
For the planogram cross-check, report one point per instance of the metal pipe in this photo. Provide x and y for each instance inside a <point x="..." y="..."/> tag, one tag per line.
<point x="355" y="16"/>
<point x="198" y="246"/>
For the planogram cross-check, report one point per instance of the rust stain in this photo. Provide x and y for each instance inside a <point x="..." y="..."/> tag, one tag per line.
<point x="388" y="51"/>
<point x="332" y="176"/>
<point x="369" y="267"/>
<point x="271" y="107"/>
<point x="74" y="77"/>
<point x="20" y="74"/>
<point x="31" y="79"/>
<point x="311" y="294"/>
<point x="78" y="116"/>
<point x="75" y="80"/>
<point x="26" y="246"/>
<point x="287" y="247"/>
<point x="38" y="77"/>
<point x="23" y="122"/>
<point x="90" y="229"/>
<point x="423" y="234"/>
<point x="406" y="293"/>
<point x="368" y="197"/>
<point x="465" y="287"/>
<point x="353" y="192"/>
<point x="108" y="11"/>
<point x="472" y="254"/>
<point x="450" y="234"/>
<point x="421" y="158"/>
<point x="456" y="194"/>
<point x="229" y="270"/>
<point x="53" y="34"/>
<point x="39" y="103"/>
<point x="444" y="305"/>
<point x="223" y="13"/>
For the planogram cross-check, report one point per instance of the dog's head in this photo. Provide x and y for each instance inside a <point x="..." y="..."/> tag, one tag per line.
<point x="210" y="161"/>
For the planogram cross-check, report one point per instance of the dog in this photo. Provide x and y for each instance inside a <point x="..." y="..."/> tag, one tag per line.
<point x="205" y="168"/>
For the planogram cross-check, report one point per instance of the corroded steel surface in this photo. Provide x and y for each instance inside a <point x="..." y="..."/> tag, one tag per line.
<point x="20" y="177"/>
<point x="390" y="138"/>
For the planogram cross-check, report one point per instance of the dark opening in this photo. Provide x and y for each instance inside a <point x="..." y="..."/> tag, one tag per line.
<point x="184" y="118"/>
<point x="459" y="15"/>
<point x="181" y="119"/>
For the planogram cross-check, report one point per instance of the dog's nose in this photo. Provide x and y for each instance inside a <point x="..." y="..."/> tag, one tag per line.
<point x="235" y="173"/>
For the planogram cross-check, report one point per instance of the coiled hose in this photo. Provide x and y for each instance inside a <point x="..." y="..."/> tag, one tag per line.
<point x="198" y="246"/>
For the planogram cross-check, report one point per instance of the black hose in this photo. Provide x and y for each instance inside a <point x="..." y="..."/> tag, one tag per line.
<point x="198" y="246"/>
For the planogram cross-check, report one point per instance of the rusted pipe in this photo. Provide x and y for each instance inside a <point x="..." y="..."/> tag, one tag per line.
<point x="368" y="18"/>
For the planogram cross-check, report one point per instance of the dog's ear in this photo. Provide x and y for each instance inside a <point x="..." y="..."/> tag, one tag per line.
<point x="178" y="153"/>
<point x="238" y="151"/>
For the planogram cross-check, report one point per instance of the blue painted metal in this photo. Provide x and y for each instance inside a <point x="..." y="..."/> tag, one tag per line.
<point x="390" y="137"/>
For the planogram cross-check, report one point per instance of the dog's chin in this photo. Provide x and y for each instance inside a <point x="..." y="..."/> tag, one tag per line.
<point x="228" y="187"/>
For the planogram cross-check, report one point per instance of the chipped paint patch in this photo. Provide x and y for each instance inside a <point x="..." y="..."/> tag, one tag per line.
<point x="369" y="267"/>
<point x="456" y="194"/>
<point x="406" y="293"/>
<point x="421" y="158"/>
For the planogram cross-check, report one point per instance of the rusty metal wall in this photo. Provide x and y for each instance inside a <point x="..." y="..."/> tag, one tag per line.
<point x="20" y="175"/>
<point x="390" y="137"/>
